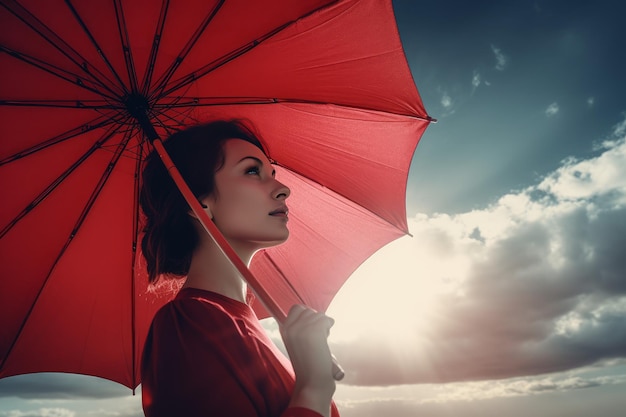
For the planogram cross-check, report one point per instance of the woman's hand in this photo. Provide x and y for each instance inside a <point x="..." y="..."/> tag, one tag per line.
<point x="305" y="333"/>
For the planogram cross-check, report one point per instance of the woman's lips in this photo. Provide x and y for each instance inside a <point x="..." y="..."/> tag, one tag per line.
<point x="280" y="212"/>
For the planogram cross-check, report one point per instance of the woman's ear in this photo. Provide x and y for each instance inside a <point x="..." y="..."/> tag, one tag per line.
<point x="206" y="208"/>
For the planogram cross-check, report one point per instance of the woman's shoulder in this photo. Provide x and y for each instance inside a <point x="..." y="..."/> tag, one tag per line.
<point x="212" y="301"/>
<point x="204" y="312"/>
<point x="203" y="329"/>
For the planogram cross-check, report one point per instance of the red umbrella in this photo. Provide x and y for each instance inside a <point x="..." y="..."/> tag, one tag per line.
<point x="326" y="84"/>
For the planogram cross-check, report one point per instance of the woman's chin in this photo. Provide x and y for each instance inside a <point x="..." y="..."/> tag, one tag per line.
<point x="278" y="240"/>
<point x="274" y="240"/>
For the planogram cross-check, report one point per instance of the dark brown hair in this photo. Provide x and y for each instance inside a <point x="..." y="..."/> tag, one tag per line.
<point x="170" y="237"/>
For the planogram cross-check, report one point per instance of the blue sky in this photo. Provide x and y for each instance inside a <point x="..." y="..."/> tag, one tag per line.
<point x="491" y="72"/>
<point x="511" y="296"/>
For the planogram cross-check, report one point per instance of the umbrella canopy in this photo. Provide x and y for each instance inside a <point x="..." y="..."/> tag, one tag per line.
<point x="325" y="83"/>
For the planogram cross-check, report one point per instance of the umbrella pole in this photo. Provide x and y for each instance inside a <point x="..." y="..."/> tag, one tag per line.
<point x="268" y="301"/>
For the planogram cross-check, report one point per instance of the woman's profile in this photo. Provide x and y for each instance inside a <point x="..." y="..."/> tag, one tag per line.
<point x="206" y="353"/>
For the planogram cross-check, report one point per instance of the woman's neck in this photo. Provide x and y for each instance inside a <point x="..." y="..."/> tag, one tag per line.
<point x="210" y="270"/>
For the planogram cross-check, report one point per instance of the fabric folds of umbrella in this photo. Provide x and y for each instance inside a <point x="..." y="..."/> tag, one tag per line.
<point x="326" y="83"/>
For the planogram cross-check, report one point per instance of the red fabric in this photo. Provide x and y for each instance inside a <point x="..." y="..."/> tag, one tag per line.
<point x="326" y="84"/>
<point x="207" y="354"/>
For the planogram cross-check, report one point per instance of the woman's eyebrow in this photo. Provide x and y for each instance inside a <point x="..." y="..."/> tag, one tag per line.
<point x="257" y="160"/>
<point x="251" y="157"/>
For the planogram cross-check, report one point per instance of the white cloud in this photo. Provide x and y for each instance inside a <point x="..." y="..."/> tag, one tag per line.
<point x="517" y="387"/>
<point x="619" y="131"/>
<point x="446" y="100"/>
<point x="600" y="176"/>
<point x="354" y="399"/>
<point x="42" y="412"/>
<point x="476" y="80"/>
<point x="129" y="411"/>
<point x="552" y="109"/>
<point x="501" y="59"/>
<point x="529" y="285"/>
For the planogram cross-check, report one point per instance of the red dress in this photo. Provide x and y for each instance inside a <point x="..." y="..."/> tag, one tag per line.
<point x="208" y="355"/>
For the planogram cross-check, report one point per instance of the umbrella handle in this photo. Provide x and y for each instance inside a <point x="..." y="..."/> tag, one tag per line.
<point x="268" y="301"/>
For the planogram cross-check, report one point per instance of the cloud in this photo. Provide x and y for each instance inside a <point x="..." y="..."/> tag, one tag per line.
<point x="518" y="387"/>
<point x="530" y="285"/>
<point x="484" y="390"/>
<point x="476" y="80"/>
<point x="446" y="101"/>
<point x="42" y="412"/>
<point x="501" y="59"/>
<point x="485" y="398"/>
<point x="129" y="411"/>
<point x="552" y="109"/>
<point x="50" y="385"/>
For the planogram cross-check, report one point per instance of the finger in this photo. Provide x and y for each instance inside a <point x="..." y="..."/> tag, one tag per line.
<point x="314" y="322"/>
<point x="297" y="319"/>
<point x="295" y="312"/>
<point x="301" y="318"/>
<point x="330" y="322"/>
<point x="298" y="309"/>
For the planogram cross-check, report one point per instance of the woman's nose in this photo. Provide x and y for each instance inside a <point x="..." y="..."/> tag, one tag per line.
<point x="281" y="191"/>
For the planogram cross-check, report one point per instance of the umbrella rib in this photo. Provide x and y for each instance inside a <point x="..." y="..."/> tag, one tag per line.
<point x="171" y="118"/>
<point x="169" y="73"/>
<point x="80" y="130"/>
<point x="83" y="215"/>
<point x="62" y="104"/>
<point x="58" y="181"/>
<point x="284" y="277"/>
<point x="234" y="101"/>
<point x="125" y="41"/>
<point x="223" y="60"/>
<point x="170" y="128"/>
<point x="65" y="75"/>
<point x="96" y="45"/>
<point x="63" y="47"/>
<point x="189" y="78"/>
<point x="164" y="111"/>
<point x="156" y="42"/>
<point x="426" y="117"/>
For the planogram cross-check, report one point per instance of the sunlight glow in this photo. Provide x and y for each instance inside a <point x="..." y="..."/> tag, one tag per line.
<point x="395" y="294"/>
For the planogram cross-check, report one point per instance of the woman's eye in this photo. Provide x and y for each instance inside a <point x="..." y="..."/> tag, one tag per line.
<point x="253" y="171"/>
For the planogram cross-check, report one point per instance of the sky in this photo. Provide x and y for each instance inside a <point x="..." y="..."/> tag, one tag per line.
<point x="510" y="296"/>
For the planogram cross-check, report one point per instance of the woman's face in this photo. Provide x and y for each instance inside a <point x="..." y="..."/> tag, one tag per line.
<point x="248" y="206"/>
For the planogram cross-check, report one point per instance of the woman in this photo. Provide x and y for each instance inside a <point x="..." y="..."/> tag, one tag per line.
<point x="206" y="353"/>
